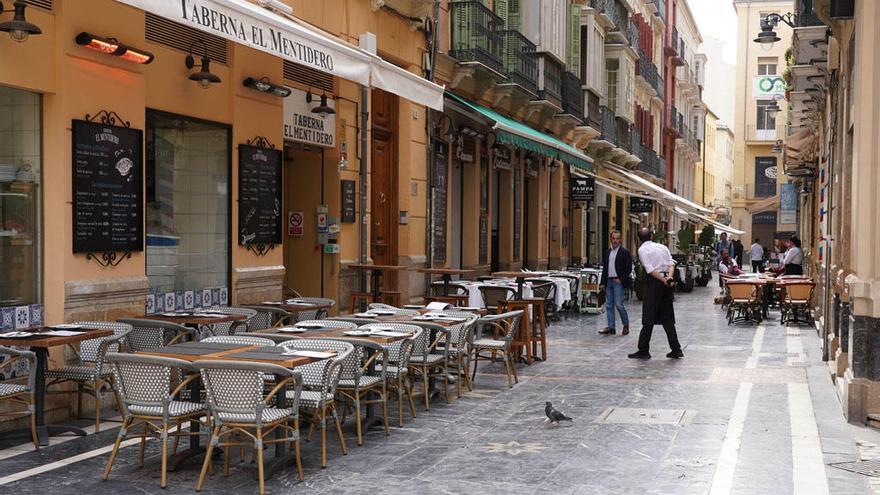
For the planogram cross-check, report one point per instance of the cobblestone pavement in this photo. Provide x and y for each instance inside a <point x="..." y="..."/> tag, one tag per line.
<point x="749" y="410"/>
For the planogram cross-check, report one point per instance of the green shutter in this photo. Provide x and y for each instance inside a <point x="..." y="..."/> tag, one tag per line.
<point x="514" y="13"/>
<point x="463" y="28"/>
<point x="573" y="53"/>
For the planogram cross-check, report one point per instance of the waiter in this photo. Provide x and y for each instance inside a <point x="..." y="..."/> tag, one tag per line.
<point x="657" y="303"/>
<point x="793" y="262"/>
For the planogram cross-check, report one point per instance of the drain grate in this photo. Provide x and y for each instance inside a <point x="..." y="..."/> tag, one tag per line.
<point x="868" y="468"/>
<point x="637" y="416"/>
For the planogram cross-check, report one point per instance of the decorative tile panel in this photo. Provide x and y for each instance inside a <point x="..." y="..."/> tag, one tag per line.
<point x="159" y="302"/>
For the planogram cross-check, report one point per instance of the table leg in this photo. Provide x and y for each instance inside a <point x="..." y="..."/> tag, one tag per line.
<point x="377" y="285"/>
<point x="520" y="281"/>
<point x="446" y="279"/>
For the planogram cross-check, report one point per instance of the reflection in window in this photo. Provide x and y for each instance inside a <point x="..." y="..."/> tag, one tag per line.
<point x="187" y="203"/>
<point x="20" y="197"/>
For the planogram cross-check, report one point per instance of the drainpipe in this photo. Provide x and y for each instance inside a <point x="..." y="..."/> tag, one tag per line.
<point x="365" y="117"/>
<point x="431" y="38"/>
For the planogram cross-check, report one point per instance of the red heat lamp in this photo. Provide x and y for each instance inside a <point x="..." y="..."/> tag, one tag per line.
<point x="111" y="46"/>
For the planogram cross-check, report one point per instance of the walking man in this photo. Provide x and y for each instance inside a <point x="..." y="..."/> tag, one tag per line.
<point x="722" y="245"/>
<point x="657" y="303"/>
<point x="616" y="276"/>
<point x="756" y="256"/>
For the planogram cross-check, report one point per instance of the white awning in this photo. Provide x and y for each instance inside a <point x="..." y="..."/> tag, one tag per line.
<point x="657" y="190"/>
<point x="255" y="27"/>
<point x="766" y="204"/>
<point x="718" y="225"/>
<point x="610" y="184"/>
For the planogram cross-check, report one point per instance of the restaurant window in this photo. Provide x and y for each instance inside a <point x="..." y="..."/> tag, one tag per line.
<point x="20" y="197"/>
<point x="187" y="203"/>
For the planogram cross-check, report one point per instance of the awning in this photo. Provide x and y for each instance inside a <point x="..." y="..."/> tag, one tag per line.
<point x="718" y="225"/>
<point x="511" y="132"/>
<point x="766" y="204"/>
<point x="255" y="27"/>
<point x="656" y="190"/>
<point x="611" y="185"/>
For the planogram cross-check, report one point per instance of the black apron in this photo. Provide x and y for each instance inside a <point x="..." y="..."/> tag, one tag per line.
<point x="657" y="305"/>
<point x="792" y="269"/>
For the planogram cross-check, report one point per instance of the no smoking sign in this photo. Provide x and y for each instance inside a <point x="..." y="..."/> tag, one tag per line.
<point x="295" y="223"/>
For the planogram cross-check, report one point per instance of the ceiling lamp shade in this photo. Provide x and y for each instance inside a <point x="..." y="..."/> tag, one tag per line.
<point x="19" y="28"/>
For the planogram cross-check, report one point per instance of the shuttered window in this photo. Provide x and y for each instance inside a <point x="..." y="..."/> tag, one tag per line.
<point x="573" y="58"/>
<point x="180" y="36"/>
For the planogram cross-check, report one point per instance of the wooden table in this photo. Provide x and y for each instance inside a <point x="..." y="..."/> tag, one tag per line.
<point x="297" y="308"/>
<point x="40" y="345"/>
<point x="446" y="275"/>
<point x="195" y="321"/>
<point x="325" y="333"/>
<point x="520" y="278"/>
<point x="377" y="271"/>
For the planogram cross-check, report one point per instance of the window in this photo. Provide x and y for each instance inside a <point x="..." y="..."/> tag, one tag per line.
<point x="765" y="120"/>
<point x="187" y="203"/>
<point x="611" y="71"/>
<point x="767" y="66"/>
<point x="20" y="197"/>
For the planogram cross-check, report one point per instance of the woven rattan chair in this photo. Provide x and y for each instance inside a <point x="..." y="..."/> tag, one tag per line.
<point x="356" y="320"/>
<point x="397" y="311"/>
<point x="493" y="295"/>
<point x="328" y="323"/>
<point x="503" y="327"/>
<point x="315" y="314"/>
<point x="20" y="394"/>
<point x="317" y="402"/>
<point x="147" y="334"/>
<point x="546" y="290"/>
<point x="796" y="302"/>
<point x="457" y="296"/>
<point x="460" y="337"/>
<point x="745" y="302"/>
<point x="429" y="359"/>
<point x="149" y="388"/>
<point x="269" y="317"/>
<point x="91" y="374"/>
<point x="398" y="377"/>
<point x="241" y="339"/>
<point x="242" y="409"/>
<point x="356" y="380"/>
<point x="232" y="327"/>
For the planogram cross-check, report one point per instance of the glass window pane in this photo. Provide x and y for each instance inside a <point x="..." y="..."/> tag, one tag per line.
<point x="20" y="197"/>
<point x="187" y="203"/>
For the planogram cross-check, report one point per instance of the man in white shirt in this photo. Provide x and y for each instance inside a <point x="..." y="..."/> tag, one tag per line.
<point x="727" y="265"/>
<point x="793" y="262"/>
<point x="657" y="302"/>
<point x="756" y="256"/>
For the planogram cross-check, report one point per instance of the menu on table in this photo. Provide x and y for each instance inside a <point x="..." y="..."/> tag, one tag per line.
<point x="259" y="195"/>
<point x="107" y="188"/>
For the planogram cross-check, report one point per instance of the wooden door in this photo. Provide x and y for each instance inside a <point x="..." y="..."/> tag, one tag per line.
<point x="383" y="183"/>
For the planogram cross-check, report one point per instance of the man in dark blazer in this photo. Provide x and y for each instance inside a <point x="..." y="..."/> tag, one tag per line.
<point x="617" y="267"/>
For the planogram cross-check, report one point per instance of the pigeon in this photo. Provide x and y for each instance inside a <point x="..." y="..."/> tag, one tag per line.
<point x="553" y="415"/>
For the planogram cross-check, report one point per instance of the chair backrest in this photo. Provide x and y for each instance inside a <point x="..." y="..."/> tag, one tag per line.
<point x="94" y="350"/>
<point x="232" y="327"/>
<point x="461" y="333"/>
<point x="241" y="339"/>
<point x="19" y="354"/>
<point x="397" y="311"/>
<point x="400" y="352"/>
<point x="508" y="323"/>
<point x="328" y="323"/>
<point x="145" y="380"/>
<point x="362" y="350"/>
<point x="238" y="387"/>
<point x="315" y="314"/>
<point x="268" y="317"/>
<point x="741" y="292"/>
<point x="150" y="334"/>
<point x="324" y="374"/>
<point x="494" y="295"/>
<point x="544" y="289"/>
<point x="796" y="292"/>
<point x="438" y="289"/>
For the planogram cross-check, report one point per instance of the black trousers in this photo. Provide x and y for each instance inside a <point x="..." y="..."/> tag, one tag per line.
<point x="794" y="269"/>
<point x="757" y="266"/>
<point x="657" y="309"/>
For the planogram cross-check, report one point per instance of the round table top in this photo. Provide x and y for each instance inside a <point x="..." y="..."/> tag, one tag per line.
<point x="385" y="268"/>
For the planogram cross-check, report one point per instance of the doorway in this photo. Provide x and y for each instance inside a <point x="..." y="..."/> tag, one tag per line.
<point x="383" y="181"/>
<point x="302" y="253"/>
<point x="455" y="224"/>
<point x="606" y="234"/>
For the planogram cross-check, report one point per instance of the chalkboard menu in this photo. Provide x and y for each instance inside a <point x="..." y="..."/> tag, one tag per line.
<point x="440" y="195"/>
<point x="348" y="201"/>
<point x="259" y="195"/>
<point x="640" y="205"/>
<point x="107" y="188"/>
<point x="517" y="210"/>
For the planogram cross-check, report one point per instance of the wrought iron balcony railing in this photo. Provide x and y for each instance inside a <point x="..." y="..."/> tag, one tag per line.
<point x="609" y="126"/>
<point x="619" y="16"/>
<point x="594" y="111"/>
<point x="518" y="58"/>
<point x="805" y="16"/>
<point x="572" y="96"/>
<point x="552" y="79"/>
<point x="624" y="135"/>
<point x="661" y="8"/>
<point x="652" y="163"/>
<point x="646" y="70"/>
<point x="476" y="34"/>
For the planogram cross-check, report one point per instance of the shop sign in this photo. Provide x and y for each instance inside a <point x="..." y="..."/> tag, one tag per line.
<point x="768" y="88"/>
<point x="501" y="158"/>
<point x="348" y="201"/>
<point x="787" y="204"/>
<point x="582" y="188"/>
<point x="107" y="174"/>
<point x="641" y="205"/>
<point x="531" y="167"/>
<point x="765" y="176"/>
<point x="464" y="148"/>
<point x="303" y="126"/>
<point x="295" y="223"/>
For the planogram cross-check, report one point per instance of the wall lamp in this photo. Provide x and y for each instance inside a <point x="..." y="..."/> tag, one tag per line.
<point x="204" y="76"/>
<point x="772" y="109"/>
<point x="263" y="85"/>
<point x="767" y="37"/>
<point x="111" y="46"/>
<point x="19" y="28"/>
<point x="323" y="108"/>
<point x="777" y="147"/>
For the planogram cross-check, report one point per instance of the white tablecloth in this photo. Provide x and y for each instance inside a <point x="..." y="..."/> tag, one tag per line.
<point x="475" y="297"/>
<point x="563" y="290"/>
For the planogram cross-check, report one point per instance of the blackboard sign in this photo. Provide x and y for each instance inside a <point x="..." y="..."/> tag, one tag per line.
<point x="107" y="174"/>
<point x="441" y="185"/>
<point x="348" y="201"/>
<point x="582" y="188"/>
<point x="259" y="195"/>
<point x="640" y="205"/>
<point x="765" y="176"/>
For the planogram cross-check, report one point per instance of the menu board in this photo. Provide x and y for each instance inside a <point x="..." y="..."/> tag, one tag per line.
<point x="441" y="157"/>
<point x="348" y="201"/>
<point x="107" y="188"/>
<point x="259" y="195"/>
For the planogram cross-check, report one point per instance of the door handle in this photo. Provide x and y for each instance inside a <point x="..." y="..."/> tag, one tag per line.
<point x="381" y="197"/>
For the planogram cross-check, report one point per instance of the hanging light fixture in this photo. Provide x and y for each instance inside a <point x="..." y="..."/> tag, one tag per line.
<point x="265" y="86"/>
<point x="204" y="76"/>
<point x="111" y="46"/>
<point x="323" y="108"/>
<point x="767" y="37"/>
<point x="19" y="28"/>
<point x="772" y="109"/>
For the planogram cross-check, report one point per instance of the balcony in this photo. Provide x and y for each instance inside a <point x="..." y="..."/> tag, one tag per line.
<point x="671" y="48"/>
<point x="660" y="88"/>
<point x="572" y="96"/>
<point x="609" y="126"/>
<point x="804" y="14"/>
<point x="646" y="70"/>
<point x="550" y="80"/>
<point x="594" y="111"/>
<point x="619" y="32"/>
<point x="624" y="135"/>
<point x="658" y="8"/>
<point x="476" y="35"/>
<point x="652" y="163"/>
<point x="754" y="134"/>
<point x="674" y="123"/>
<point x="519" y="61"/>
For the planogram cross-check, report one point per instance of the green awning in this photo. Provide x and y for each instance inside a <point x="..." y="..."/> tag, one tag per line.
<point x="514" y="133"/>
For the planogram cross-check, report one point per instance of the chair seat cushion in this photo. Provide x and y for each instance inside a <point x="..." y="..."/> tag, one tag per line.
<point x="392" y="371"/>
<point x="175" y="408"/>
<point x="270" y="414"/>
<point x="310" y="399"/>
<point x="7" y="389"/>
<point x="429" y="359"/>
<point x="364" y="382"/>
<point x="489" y="344"/>
<point x="77" y="373"/>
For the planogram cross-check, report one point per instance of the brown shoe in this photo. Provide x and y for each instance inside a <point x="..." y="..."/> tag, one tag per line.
<point x="625" y="330"/>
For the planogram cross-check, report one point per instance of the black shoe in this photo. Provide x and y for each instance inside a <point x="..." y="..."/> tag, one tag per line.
<point x="675" y="354"/>
<point x="607" y="331"/>
<point x="639" y="355"/>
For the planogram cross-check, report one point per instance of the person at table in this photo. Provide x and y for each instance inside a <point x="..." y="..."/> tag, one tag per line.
<point x="728" y="265"/>
<point x="616" y="276"/>
<point x="756" y="256"/>
<point x="737" y="252"/>
<point x="793" y="262"/>
<point x="722" y="245"/>
<point x="658" y="293"/>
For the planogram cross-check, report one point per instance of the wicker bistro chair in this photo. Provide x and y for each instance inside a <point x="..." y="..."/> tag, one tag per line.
<point x="745" y="302"/>
<point x="795" y="301"/>
<point x="149" y="334"/>
<point x="149" y="387"/>
<point x="546" y="290"/>
<point x="315" y="314"/>
<point x="493" y="295"/>
<point x="91" y="374"/>
<point x="317" y="402"/>
<point x="397" y="371"/>
<point x="505" y="327"/>
<point x="355" y="320"/>
<point x="232" y="327"/>
<point x="241" y="339"/>
<point x="357" y="380"/>
<point x="269" y="317"/>
<point x="397" y="311"/>
<point x="21" y="394"/>
<point x="457" y="348"/>
<point x="429" y="360"/>
<point x="328" y="323"/>
<point x="458" y="294"/>
<point x="242" y="410"/>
